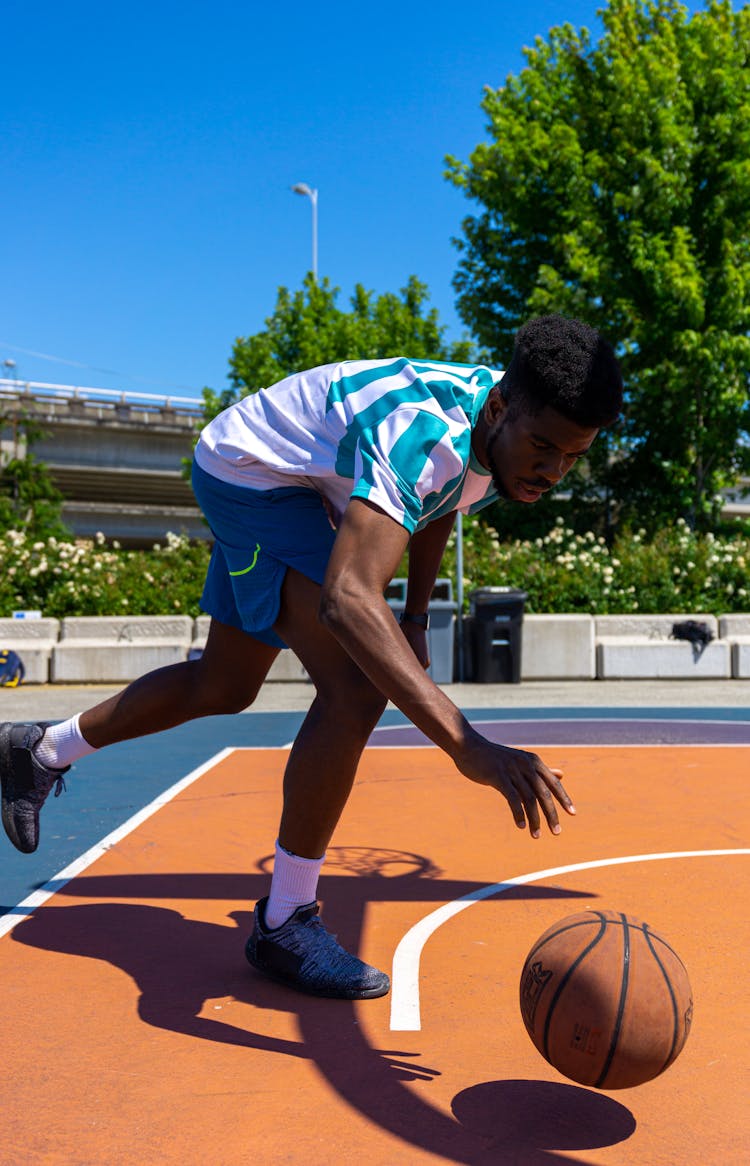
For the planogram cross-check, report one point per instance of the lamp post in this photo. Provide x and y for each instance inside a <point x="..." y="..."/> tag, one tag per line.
<point x="309" y="192"/>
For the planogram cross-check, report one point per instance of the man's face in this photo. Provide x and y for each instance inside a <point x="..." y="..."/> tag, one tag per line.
<point x="527" y="455"/>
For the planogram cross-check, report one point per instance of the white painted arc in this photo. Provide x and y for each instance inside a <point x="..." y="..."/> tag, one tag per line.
<point x="405" y="1006"/>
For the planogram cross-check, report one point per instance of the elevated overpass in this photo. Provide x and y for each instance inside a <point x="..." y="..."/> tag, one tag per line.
<point x="117" y="458"/>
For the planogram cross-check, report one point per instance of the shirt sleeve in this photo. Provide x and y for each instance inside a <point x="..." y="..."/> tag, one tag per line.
<point x="408" y="456"/>
<point x="474" y="507"/>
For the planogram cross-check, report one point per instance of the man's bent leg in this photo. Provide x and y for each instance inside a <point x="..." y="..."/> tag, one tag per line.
<point x="225" y="679"/>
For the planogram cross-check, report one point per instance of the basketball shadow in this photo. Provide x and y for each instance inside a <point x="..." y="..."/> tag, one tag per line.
<point x="527" y="1121"/>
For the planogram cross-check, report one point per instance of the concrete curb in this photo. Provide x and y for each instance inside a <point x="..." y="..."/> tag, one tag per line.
<point x="566" y="647"/>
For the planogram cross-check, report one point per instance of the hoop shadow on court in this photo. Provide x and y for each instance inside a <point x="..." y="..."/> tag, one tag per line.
<point x="178" y="964"/>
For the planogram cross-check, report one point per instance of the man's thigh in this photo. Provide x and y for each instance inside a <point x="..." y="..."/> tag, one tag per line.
<point x="332" y="670"/>
<point x="260" y="535"/>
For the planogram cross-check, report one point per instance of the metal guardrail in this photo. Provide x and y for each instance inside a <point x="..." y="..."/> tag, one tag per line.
<point x="149" y="402"/>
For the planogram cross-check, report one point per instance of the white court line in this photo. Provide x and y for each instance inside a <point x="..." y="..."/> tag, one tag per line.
<point x="405" y="1014"/>
<point x="36" y="898"/>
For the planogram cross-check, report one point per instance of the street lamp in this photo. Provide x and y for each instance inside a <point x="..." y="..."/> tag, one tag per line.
<point x="303" y="188"/>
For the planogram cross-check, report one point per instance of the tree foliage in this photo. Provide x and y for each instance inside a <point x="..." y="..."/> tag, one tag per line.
<point x="616" y="187"/>
<point x="307" y="328"/>
<point x="29" y="500"/>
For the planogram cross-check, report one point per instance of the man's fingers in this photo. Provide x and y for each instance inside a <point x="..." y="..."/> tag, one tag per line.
<point x="532" y="813"/>
<point x="515" y="802"/>
<point x="549" y="808"/>
<point x="558" y="789"/>
<point x="548" y="789"/>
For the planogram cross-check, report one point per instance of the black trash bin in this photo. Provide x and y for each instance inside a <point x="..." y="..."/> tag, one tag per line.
<point x="496" y="625"/>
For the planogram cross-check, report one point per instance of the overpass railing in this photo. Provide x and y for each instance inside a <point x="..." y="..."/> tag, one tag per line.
<point x="20" y="391"/>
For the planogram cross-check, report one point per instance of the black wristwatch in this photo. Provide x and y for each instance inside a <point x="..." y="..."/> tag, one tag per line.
<point x="422" y="621"/>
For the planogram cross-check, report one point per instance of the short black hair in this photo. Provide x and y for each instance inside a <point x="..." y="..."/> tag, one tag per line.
<point x="567" y="365"/>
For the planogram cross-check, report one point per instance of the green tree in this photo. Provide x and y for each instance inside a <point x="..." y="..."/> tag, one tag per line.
<point x="29" y="500"/>
<point x="307" y="328"/>
<point x="616" y="188"/>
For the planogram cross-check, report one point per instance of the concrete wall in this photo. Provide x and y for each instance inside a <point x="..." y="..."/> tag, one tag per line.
<point x="114" y="649"/>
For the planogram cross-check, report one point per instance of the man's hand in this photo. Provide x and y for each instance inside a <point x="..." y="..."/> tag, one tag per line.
<point x="523" y="779"/>
<point x="417" y="639"/>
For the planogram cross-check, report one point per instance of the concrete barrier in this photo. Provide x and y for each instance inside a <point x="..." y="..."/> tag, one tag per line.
<point x="634" y="647"/>
<point x="33" y="640"/>
<point x="110" y="649"/>
<point x="558" y="647"/>
<point x="286" y="666"/>
<point x="735" y="629"/>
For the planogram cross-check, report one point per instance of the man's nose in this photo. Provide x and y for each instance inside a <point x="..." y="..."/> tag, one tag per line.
<point x="552" y="466"/>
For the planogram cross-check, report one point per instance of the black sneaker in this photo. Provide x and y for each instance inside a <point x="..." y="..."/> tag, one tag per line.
<point x="302" y="954"/>
<point x="25" y="782"/>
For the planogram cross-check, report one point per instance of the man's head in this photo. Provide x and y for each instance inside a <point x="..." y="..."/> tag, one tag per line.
<point x="567" y="365"/>
<point x="562" y="385"/>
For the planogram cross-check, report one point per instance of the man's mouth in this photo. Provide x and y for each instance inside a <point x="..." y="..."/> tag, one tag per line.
<point x="530" y="491"/>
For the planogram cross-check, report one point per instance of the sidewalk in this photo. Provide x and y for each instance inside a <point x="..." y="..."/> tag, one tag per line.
<point x="55" y="702"/>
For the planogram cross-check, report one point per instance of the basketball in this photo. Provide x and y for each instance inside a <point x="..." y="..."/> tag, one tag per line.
<point x="605" y="999"/>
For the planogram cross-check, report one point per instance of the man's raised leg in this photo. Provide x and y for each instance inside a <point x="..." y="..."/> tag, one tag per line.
<point x="34" y="757"/>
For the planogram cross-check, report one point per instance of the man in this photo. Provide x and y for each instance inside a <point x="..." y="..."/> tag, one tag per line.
<point x="314" y="489"/>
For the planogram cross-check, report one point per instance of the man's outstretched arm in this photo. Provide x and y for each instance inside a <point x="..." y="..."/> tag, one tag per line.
<point x="368" y="549"/>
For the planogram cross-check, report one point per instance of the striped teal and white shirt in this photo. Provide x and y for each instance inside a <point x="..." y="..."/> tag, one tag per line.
<point x="396" y="432"/>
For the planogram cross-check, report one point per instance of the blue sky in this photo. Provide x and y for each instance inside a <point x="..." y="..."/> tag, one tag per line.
<point x="148" y="152"/>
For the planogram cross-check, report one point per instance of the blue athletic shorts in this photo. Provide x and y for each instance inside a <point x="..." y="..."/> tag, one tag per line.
<point x="258" y="534"/>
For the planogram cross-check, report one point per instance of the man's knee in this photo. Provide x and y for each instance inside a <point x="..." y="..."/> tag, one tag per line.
<point x="216" y="691"/>
<point x="355" y="706"/>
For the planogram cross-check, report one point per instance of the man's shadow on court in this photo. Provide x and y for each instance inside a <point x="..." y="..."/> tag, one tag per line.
<point x="179" y="963"/>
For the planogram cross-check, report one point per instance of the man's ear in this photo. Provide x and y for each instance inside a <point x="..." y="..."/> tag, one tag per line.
<point x="495" y="407"/>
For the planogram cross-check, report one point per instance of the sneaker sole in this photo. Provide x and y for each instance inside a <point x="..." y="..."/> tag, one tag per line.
<point x="10" y="829"/>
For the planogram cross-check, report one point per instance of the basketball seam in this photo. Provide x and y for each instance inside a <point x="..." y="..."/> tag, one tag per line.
<point x="599" y="1084"/>
<point x="561" y="986"/>
<point x="659" y="939"/>
<point x="610" y="922"/>
<point x="595" y="915"/>
<point x="675" y="1015"/>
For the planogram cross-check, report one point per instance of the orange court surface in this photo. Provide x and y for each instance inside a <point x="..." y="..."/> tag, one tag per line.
<point x="135" y="1032"/>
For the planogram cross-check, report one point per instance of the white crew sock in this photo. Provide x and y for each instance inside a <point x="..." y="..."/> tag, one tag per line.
<point x="62" y="744"/>
<point x="294" y="884"/>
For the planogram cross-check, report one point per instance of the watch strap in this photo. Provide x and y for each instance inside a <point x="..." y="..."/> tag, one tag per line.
<point x="422" y="620"/>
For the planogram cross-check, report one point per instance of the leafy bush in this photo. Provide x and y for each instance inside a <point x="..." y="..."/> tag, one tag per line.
<point x="677" y="571"/>
<point x="89" y="578"/>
